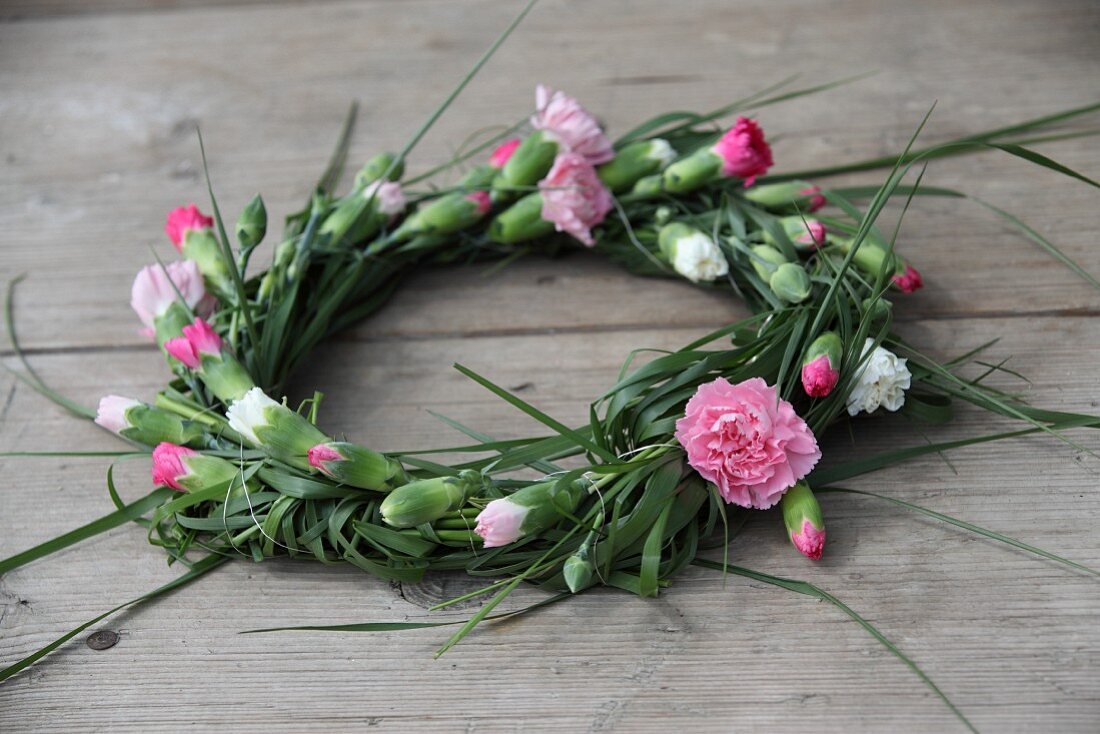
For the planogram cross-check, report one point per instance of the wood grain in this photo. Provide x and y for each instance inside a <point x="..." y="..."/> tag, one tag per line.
<point x="97" y="112"/>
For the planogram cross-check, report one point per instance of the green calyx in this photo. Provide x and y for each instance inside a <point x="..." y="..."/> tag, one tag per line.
<point x="635" y="161"/>
<point x="359" y="466"/>
<point x="376" y="168"/>
<point x="529" y="163"/>
<point x="252" y="224"/>
<point x="225" y="376"/>
<point x="427" y="500"/>
<point x="693" y="172"/>
<point x="798" y="505"/>
<point x="202" y="246"/>
<point x="151" y="426"/>
<point x="827" y="344"/>
<point x="520" y="222"/>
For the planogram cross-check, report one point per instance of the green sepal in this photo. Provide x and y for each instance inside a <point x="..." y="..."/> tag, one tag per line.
<point x="151" y="426"/>
<point x="203" y="247"/>
<point x="520" y="222"/>
<point x="688" y="174"/>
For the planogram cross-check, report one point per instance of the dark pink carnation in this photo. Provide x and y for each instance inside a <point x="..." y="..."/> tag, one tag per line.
<point x="819" y="378"/>
<point x="746" y="440"/>
<point x="182" y="219"/>
<point x="908" y="281"/>
<point x="482" y="202"/>
<point x="198" y="339"/>
<point x="320" y="455"/>
<point x="573" y="197"/>
<point x="745" y="154"/>
<point x="503" y="152"/>
<point x="817" y="199"/>
<point x="810" y="541"/>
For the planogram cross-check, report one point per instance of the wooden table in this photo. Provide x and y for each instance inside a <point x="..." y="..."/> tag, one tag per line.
<point x="98" y="104"/>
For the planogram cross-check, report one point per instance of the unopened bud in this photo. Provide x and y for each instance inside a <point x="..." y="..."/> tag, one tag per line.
<point x="636" y="160"/>
<point x="805" y="234"/>
<point x="791" y="283"/>
<point x="870" y="257"/>
<point x="688" y="174"/>
<point x="520" y="222"/>
<point x="427" y="500"/>
<point x="527" y="164"/>
<point x="145" y="424"/>
<point x="530" y="510"/>
<point x="376" y="168"/>
<point x="766" y="259"/>
<point x="782" y="197"/>
<point x="357" y="466"/>
<point x="252" y="224"/>
<point x="821" y="365"/>
<point x="578" y="570"/>
<point x="272" y="427"/>
<point x="203" y="247"/>
<point x="802" y="516"/>
<point x="445" y="215"/>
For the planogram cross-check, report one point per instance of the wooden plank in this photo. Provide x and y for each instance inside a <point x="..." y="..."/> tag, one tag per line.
<point x="1009" y="637"/>
<point x="97" y="147"/>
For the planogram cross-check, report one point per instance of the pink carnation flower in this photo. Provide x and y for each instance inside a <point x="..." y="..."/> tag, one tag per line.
<point x="817" y="199"/>
<point x="746" y="440"/>
<point x="388" y="197"/>
<point x="503" y="152"/>
<point x="744" y="152"/>
<point x="908" y="281"/>
<point x="573" y="197"/>
<point x="571" y="126"/>
<point x="112" y="412"/>
<point x="810" y="541"/>
<point x="168" y="465"/>
<point x="152" y="292"/>
<point x="182" y="219"/>
<point x="198" y="339"/>
<point x="500" y="522"/>
<point x="813" y="234"/>
<point x="320" y="455"/>
<point x="819" y="378"/>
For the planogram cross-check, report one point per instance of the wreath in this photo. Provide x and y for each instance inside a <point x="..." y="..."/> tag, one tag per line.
<point x="679" y="445"/>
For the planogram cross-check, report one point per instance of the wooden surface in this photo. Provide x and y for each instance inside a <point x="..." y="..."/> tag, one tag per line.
<point x="98" y="102"/>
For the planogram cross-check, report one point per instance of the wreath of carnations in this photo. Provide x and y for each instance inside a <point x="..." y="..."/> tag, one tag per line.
<point x="727" y="424"/>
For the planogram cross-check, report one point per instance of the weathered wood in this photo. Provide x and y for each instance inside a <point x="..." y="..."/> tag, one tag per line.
<point x="96" y="121"/>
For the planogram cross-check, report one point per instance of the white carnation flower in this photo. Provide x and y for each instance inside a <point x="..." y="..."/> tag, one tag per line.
<point x="698" y="258"/>
<point x="249" y="413"/>
<point x="883" y="383"/>
<point x="661" y="151"/>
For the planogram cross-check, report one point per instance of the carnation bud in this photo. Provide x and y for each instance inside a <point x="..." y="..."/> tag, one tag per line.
<point x="648" y="186"/>
<point x="528" y="163"/>
<point x="791" y="283"/>
<point x="274" y="428"/>
<point x="361" y="214"/>
<point x="201" y="349"/>
<point x="145" y="424"/>
<point x="635" y="161"/>
<point x="693" y="254"/>
<point x="821" y="365"/>
<point x="805" y="234"/>
<point x="578" y="570"/>
<point x="907" y="279"/>
<point x="802" y="516"/>
<point x="877" y="310"/>
<point x="357" y="466"/>
<point x="503" y="153"/>
<point x="252" y="224"/>
<point x="427" y="500"/>
<point x="203" y="247"/>
<point x="185" y="470"/>
<point x="445" y="215"/>
<point x="766" y="260"/>
<point x="530" y="510"/>
<point x="782" y="197"/>
<point x="870" y="257"/>
<point x="520" y="222"/>
<point x="692" y="172"/>
<point x="376" y="168"/>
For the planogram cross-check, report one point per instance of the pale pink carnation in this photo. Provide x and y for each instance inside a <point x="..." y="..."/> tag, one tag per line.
<point x="574" y="198"/>
<point x="503" y="152"/>
<point x="198" y="339"/>
<point x="746" y="440"/>
<point x="817" y="199"/>
<point x="810" y="541"/>
<point x="320" y="455"/>
<point x="182" y="219"/>
<point x="387" y="195"/>
<point x="500" y="522"/>
<point x="152" y="292"/>
<point x="571" y="126"/>
<point x="819" y="377"/>
<point x="813" y="233"/>
<point x="744" y="152"/>
<point x="112" y="412"/>
<point x="481" y="200"/>
<point x="908" y="281"/>
<point x="168" y="465"/>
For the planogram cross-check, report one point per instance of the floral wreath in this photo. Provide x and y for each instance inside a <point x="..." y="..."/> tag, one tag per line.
<point x="728" y="423"/>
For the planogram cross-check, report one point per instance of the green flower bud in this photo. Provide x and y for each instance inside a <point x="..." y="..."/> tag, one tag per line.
<point x="805" y="234"/>
<point x="427" y="500"/>
<point x="445" y="215"/>
<point x="203" y="247"/>
<point x="376" y="168"/>
<point x="877" y="310"/>
<point x="821" y="365"/>
<point x="478" y="177"/>
<point x="802" y="516"/>
<point x="870" y="257"/>
<point x="688" y="174"/>
<point x="635" y="161"/>
<point x="357" y="466"/>
<point x="529" y="163"/>
<point x="274" y="428"/>
<point x="791" y="283"/>
<point x="224" y="376"/>
<point x="765" y="261"/>
<point x="799" y="195"/>
<point x="145" y="424"/>
<point x="252" y="224"/>
<point x="520" y="222"/>
<point x="578" y="570"/>
<point x="648" y="186"/>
